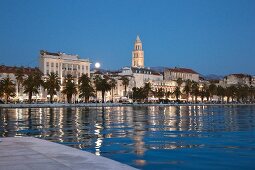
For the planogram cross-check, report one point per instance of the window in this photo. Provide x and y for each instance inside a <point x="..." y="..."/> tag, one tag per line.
<point x="52" y="64"/>
<point x="56" y="64"/>
<point x="69" y="66"/>
<point x="82" y="67"/>
<point x="47" y="64"/>
<point x="74" y="67"/>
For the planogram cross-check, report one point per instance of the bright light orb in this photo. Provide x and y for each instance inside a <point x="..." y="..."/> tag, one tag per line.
<point x="97" y="65"/>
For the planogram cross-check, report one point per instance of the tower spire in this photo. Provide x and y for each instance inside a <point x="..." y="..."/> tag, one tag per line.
<point x="138" y="39"/>
<point x="138" y="54"/>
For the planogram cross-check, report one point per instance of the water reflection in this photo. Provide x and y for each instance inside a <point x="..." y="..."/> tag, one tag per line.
<point x="134" y="135"/>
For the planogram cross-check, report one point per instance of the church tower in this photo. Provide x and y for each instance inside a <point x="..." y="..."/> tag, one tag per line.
<point x="138" y="54"/>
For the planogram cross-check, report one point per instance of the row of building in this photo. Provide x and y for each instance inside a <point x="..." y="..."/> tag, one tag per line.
<point x="64" y="64"/>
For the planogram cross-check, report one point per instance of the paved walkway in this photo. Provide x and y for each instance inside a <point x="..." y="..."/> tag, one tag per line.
<point x="28" y="153"/>
<point x="54" y="105"/>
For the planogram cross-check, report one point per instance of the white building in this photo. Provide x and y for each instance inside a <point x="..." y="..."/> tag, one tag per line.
<point x="183" y="73"/>
<point x="238" y="79"/>
<point x="142" y="75"/>
<point x="63" y="64"/>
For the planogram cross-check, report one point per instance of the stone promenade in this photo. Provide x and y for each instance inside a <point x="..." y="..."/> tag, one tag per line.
<point x="28" y="153"/>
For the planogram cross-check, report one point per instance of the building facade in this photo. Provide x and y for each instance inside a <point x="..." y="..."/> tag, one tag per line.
<point x="237" y="79"/>
<point x="63" y="64"/>
<point x="183" y="73"/>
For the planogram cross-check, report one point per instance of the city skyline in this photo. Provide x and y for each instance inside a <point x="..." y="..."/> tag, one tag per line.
<point x="211" y="37"/>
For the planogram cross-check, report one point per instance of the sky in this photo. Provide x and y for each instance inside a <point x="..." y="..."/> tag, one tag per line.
<point x="209" y="36"/>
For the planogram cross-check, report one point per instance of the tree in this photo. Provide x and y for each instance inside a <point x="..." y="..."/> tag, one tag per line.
<point x="125" y="83"/>
<point x="221" y="92"/>
<point x="96" y="80"/>
<point x="187" y="89"/>
<point x="204" y="92"/>
<point x="147" y="89"/>
<point x="168" y="94"/>
<point x="113" y="84"/>
<point x="179" y="82"/>
<point x="52" y="85"/>
<point x="102" y="85"/>
<point x="252" y="93"/>
<point x="138" y="94"/>
<point x="159" y="93"/>
<point x="177" y="93"/>
<point x="69" y="88"/>
<point x="20" y="78"/>
<point x="230" y="92"/>
<point x="195" y="90"/>
<point x="85" y="88"/>
<point x="212" y="90"/>
<point x="242" y="92"/>
<point x="31" y="84"/>
<point x="7" y="88"/>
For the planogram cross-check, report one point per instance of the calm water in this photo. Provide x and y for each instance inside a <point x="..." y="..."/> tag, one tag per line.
<point x="176" y="137"/>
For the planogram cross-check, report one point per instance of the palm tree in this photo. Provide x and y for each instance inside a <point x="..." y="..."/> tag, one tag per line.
<point x="212" y="90"/>
<point x="20" y="78"/>
<point x="179" y="82"/>
<point x="125" y="83"/>
<point x="159" y="93"/>
<point x="85" y="88"/>
<point x="243" y="92"/>
<point x="230" y="92"/>
<point x="113" y="83"/>
<point x="204" y="92"/>
<point x="147" y="89"/>
<point x="187" y="89"/>
<point x="102" y="85"/>
<point x="7" y="88"/>
<point x="177" y="93"/>
<point x="31" y="84"/>
<point x="96" y="80"/>
<point x="168" y="94"/>
<point x="195" y="90"/>
<point x="69" y="88"/>
<point x="138" y="94"/>
<point x="221" y="92"/>
<point x="1" y="90"/>
<point x="52" y="85"/>
<point x="252" y="93"/>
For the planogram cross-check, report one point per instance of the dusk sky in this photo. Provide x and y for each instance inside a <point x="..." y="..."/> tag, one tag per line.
<point x="211" y="37"/>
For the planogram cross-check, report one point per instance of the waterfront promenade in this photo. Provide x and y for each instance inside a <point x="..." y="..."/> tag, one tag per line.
<point x="54" y="105"/>
<point x="28" y="153"/>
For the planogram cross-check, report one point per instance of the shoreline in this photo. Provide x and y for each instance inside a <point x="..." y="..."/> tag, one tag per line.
<point x="57" y="105"/>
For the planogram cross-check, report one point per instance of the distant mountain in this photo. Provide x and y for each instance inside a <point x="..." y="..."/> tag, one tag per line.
<point x="213" y="77"/>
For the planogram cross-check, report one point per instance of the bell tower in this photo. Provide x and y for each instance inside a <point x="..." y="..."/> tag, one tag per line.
<point x="138" y="54"/>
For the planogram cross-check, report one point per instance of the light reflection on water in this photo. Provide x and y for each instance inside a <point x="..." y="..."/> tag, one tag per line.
<point x="191" y="137"/>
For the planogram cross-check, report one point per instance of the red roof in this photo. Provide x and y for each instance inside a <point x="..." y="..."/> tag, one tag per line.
<point x="13" y="69"/>
<point x="182" y="70"/>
